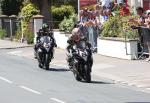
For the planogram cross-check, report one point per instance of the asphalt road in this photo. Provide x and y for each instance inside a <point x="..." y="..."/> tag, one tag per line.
<point x="21" y="81"/>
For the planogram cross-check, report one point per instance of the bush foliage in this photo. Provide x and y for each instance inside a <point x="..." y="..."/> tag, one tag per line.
<point x="28" y="11"/>
<point x="118" y="27"/>
<point x="68" y="23"/>
<point x="2" y="33"/>
<point x="59" y="12"/>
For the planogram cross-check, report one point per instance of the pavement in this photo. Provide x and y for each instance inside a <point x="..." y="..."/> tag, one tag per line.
<point x="7" y="44"/>
<point x="131" y="72"/>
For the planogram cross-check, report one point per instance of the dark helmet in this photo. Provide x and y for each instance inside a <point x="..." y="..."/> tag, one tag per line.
<point x="45" y="26"/>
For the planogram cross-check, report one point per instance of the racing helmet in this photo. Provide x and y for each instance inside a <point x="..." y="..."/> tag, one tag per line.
<point x="45" y="26"/>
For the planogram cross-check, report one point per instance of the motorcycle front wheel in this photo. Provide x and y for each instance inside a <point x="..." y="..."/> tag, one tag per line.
<point x="76" y="74"/>
<point x="47" y="61"/>
<point x="87" y="74"/>
<point x="77" y="77"/>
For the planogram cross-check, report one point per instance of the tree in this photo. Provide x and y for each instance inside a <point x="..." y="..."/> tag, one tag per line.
<point x="43" y="6"/>
<point x="11" y="7"/>
<point x="0" y="7"/>
<point x="74" y="3"/>
<point x="64" y="2"/>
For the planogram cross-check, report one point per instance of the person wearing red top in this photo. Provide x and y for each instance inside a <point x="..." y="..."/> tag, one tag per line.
<point x="124" y="10"/>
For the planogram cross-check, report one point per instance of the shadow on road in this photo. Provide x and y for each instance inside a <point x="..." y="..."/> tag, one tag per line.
<point x="99" y="82"/>
<point x="58" y="70"/>
<point x="137" y="102"/>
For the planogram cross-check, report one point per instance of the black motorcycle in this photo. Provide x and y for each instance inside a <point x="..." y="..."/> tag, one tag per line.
<point x="81" y="62"/>
<point x="44" y="52"/>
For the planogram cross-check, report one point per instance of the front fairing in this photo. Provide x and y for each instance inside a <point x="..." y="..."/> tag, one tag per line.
<point x="46" y="44"/>
<point x="81" y="53"/>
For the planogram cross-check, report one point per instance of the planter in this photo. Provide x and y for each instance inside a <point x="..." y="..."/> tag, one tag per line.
<point x="61" y="39"/>
<point x="118" y="48"/>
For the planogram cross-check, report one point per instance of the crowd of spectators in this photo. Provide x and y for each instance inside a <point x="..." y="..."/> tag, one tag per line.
<point x="91" y="20"/>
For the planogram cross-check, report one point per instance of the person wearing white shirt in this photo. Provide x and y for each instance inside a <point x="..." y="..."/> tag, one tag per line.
<point x="106" y="3"/>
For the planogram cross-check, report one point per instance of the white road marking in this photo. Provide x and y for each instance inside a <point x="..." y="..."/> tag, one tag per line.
<point x="57" y="100"/>
<point x="148" y="88"/>
<point x="6" y="80"/>
<point x="15" y="53"/>
<point x="64" y="66"/>
<point x="29" y="89"/>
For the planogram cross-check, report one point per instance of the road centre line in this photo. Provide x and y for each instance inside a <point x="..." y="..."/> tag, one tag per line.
<point x="30" y="90"/>
<point x="6" y="80"/>
<point x="57" y="100"/>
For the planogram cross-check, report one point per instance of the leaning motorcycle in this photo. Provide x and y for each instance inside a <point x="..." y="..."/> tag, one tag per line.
<point x="81" y="62"/>
<point x="44" y="52"/>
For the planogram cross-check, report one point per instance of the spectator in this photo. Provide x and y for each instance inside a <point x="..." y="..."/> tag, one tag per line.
<point x="124" y="10"/>
<point x="104" y="16"/>
<point x="98" y="19"/>
<point x="98" y="7"/>
<point x="143" y="32"/>
<point x="141" y="20"/>
<point x="147" y="21"/>
<point x="90" y="28"/>
<point x="106" y="3"/>
<point x="113" y="6"/>
<point x="120" y="1"/>
<point x="92" y="14"/>
<point x="85" y="15"/>
<point x="98" y="10"/>
<point x="146" y="37"/>
<point x="108" y="13"/>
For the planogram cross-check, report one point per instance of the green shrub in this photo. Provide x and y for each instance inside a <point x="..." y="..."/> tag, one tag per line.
<point x="28" y="11"/>
<point x="68" y="23"/>
<point x="18" y="33"/>
<point x="30" y="37"/>
<point x="59" y="12"/>
<point x="63" y="11"/>
<point x="2" y="33"/>
<point x="110" y="28"/>
<point x="118" y="27"/>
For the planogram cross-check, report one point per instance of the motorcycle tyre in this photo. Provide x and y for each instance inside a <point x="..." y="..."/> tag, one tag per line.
<point x="47" y="57"/>
<point x="40" y="65"/>
<point x="87" y="74"/>
<point x="77" y="77"/>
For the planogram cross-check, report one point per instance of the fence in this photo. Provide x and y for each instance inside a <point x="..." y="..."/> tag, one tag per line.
<point x="11" y="24"/>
